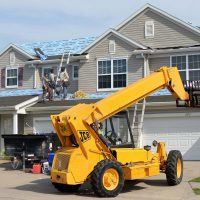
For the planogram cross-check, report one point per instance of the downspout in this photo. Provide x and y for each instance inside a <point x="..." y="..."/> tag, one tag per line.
<point x="35" y="77"/>
<point x="140" y="128"/>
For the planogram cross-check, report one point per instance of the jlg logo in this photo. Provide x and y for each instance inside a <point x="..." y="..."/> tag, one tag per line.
<point x="84" y="136"/>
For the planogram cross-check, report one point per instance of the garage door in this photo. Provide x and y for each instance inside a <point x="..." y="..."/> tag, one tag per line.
<point x="179" y="133"/>
<point x="43" y="125"/>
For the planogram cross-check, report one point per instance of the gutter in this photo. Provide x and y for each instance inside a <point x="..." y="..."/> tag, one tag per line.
<point x="162" y="51"/>
<point x="72" y="58"/>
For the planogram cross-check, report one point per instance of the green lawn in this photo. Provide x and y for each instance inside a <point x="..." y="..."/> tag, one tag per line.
<point x="197" y="180"/>
<point x="196" y="191"/>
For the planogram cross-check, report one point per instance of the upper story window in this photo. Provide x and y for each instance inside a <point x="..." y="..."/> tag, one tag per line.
<point x="112" y="74"/>
<point x="11" y="77"/>
<point x="111" y="46"/>
<point x="12" y="58"/>
<point x="149" y="29"/>
<point x="75" y="72"/>
<point x="188" y="66"/>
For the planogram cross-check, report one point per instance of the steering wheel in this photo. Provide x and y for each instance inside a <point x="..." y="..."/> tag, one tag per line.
<point x="113" y="139"/>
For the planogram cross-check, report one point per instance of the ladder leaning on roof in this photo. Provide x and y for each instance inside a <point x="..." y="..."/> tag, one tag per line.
<point x="60" y="66"/>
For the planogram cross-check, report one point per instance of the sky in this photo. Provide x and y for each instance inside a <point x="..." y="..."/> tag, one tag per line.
<point x="47" y="20"/>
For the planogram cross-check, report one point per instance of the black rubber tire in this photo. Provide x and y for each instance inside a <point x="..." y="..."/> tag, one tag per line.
<point x="97" y="178"/>
<point x="66" y="188"/>
<point x="171" y="168"/>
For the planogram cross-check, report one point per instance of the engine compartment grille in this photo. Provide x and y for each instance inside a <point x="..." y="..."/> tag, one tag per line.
<point x="62" y="161"/>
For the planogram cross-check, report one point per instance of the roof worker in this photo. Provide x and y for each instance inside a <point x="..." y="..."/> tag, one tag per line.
<point x="64" y="79"/>
<point x="52" y="83"/>
<point x="47" y="91"/>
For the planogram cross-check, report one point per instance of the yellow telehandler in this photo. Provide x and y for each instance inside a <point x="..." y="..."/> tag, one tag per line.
<point x="102" y="158"/>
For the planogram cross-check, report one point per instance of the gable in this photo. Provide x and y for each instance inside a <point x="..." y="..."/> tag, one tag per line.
<point x="168" y="33"/>
<point x="101" y="49"/>
<point x="5" y="57"/>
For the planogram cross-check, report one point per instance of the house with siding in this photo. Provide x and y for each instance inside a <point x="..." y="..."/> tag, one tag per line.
<point x="141" y="44"/>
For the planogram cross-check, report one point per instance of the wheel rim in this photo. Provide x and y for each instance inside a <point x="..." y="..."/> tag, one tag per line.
<point x="178" y="168"/>
<point x="110" y="179"/>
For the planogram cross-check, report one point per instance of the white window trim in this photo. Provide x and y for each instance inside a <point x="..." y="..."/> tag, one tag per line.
<point x="75" y="78"/>
<point x="111" y="42"/>
<point x="11" y="86"/>
<point x="187" y="64"/>
<point x="110" y="59"/>
<point x="145" y="31"/>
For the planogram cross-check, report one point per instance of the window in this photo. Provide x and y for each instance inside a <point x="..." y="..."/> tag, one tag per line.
<point x="12" y="58"/>
<point x="112" y="74"/>
<point x="75" y="72"/>
<point x="180" y="62"/>
<point x="46" y="70"/>
<point x="11" y="77"/>
<point x="149" y="29"/>
<point x="111" y="46"/>
<point x="188" y="66"/>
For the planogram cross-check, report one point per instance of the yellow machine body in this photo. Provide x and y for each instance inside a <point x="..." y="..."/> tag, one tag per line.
<point x="82" y="146"/>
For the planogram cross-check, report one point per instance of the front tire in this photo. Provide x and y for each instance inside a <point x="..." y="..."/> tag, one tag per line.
<point x="66" y="188"/>
<point x="107" y="178"/>
<point x="174" y="169"/>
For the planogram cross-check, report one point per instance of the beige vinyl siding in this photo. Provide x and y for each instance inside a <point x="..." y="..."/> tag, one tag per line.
<point x="19" y="62"/>
<point x="156" y="63"/>
<point x="166" y="33"/>
<point x="88" y="70"/>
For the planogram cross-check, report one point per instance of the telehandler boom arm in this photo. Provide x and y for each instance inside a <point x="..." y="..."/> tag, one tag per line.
<point x="92" y="113"/>
<point x="85" y="153"/>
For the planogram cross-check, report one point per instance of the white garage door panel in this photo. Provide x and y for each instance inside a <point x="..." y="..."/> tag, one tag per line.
<point x="43" y="125"/>
<point x="181" y="133"/>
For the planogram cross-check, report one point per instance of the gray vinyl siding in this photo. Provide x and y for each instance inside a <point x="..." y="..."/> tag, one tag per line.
<point x="19" y="62"/>
<point x="88" y="70"/>
<point x="156" y="63"/>
<point x="166" y="32"/>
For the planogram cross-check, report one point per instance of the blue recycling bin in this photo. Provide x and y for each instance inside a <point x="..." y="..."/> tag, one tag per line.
<point x="50" y="158"/>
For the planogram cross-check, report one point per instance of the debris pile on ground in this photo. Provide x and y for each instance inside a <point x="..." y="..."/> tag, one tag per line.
<point x="80" y="95"/>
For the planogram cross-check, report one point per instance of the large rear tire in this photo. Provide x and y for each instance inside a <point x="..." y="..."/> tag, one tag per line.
<point x="174" y="169"/>
<point x="66" y="188"/>
<point x="107" y="178"/>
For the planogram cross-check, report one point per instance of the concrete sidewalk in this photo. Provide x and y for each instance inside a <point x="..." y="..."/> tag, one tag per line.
<point x="17" y="185"/>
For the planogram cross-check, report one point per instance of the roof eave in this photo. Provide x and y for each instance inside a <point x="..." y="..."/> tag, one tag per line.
<point x="165" y="51"/>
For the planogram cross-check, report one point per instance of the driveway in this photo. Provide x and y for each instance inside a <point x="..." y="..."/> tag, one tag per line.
<point x="17" y="185"/>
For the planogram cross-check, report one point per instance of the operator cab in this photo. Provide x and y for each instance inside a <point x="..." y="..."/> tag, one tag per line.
<point x="117" y="131"/>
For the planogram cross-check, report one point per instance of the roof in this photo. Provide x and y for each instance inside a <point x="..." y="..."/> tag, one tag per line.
<point x="117" y="34"/>
<point x="58" y="47"/>
<point x="67" y="103"/>
<point x="14" y="100"/>
<point x="165" y="14"/>
<point x="25" y="92"/>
